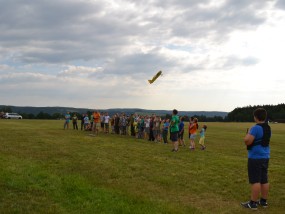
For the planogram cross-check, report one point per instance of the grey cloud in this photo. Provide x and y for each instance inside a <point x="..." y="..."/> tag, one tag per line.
<point x="280" y="4"/>
<point x="63" y="31"/>
<point x="234" y="61"/>
<point x="198" y="22"/>
<point x="58" y="32"/>
<point x="140" y="64"/>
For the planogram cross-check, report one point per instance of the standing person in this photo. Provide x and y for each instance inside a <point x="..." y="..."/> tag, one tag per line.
<point x="86" y="121"/>
<point x="132" y="119"/>
<point x="91" y="120"/>
<point x="151" y="124"/>
<point x="113" y="124"/>
<point x="157" y="127"/>
<point x="174" y="129"/>
<point x="181" y="132"/>
<point x="257" y="142"/>
<point x="121" y="124"/>
<point x="193" y="132"/>
<point x="146" y="127"/>
<point x="102" y="121"/>
<point x="106" y="122"/>
<point x="117" y="123"/>
<point x="96" y="122"/>
<point x="141" y="127"/>
<point x="124" y="125"/>
<point x="190" y="124"/>
<point x="165" y="131"/>
<point x="202" y="137"/>
<point x="82" y="121"/>
<point x="74" y="122"/>
<point x="67" y="120"/>
<point x="128" y="125"/>
<point x="135" y="124"/>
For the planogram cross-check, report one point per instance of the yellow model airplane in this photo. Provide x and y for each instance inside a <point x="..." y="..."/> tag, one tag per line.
<point x="155" y="77"/>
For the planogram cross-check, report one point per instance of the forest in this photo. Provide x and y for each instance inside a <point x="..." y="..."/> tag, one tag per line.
<point x="276" y="113"/>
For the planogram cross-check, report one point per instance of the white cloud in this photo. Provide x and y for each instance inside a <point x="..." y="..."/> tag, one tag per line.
<point x="80" y="71"/>
<point x="57" y="52"/>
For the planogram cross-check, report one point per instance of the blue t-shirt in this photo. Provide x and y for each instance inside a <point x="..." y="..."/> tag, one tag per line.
<point x="165" y="126"/>
<point x="181" y="126"/>
<point x="202" y="132"/>
<point x="258" y="151"/>
<point x="67" y="118"/>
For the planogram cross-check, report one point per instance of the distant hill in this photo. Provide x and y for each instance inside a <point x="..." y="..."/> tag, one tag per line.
<point x="62" y="110"/>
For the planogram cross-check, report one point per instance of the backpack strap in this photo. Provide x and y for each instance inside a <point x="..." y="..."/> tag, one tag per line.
<point x="265" y="140"/>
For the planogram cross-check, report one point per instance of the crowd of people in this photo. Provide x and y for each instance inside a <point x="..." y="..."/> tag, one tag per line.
<point x="148" y="127"/>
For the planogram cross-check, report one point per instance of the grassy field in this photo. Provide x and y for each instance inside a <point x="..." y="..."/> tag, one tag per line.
<point x="45" y="169"/>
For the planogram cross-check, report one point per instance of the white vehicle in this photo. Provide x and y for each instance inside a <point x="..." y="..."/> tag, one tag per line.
<point x="12" y="116"/>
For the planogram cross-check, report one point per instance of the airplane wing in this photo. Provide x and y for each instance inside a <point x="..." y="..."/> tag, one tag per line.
<point x="155" y="77"/>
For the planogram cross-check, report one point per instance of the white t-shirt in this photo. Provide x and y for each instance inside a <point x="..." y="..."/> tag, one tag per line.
<point x="106" y="119"/>
<point x="147" y="122"/>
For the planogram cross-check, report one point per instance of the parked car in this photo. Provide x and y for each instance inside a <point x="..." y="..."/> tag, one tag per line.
<point x="12" y="116"/>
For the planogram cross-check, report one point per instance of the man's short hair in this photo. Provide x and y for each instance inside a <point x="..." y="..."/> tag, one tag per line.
<point x="260" y="114"/>
<point x="175" y="112"/>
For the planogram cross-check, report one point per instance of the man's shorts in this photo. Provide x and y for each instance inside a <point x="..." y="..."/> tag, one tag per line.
<point x="174" y="136"/>
<point x="257" y="170"/>
<point x="102" y="125"/>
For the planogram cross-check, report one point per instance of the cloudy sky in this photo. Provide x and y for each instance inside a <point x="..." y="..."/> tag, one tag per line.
<point x="215" y="55"/>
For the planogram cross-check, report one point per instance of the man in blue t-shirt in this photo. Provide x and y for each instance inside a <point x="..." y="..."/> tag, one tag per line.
<point x="257" y="141"/>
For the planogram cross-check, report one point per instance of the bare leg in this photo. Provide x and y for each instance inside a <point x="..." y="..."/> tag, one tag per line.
<point x="264" y="190"/>
<point x="255" y="190"/>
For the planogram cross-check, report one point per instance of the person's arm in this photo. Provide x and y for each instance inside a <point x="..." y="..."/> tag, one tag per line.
<point x="248" y="140"/>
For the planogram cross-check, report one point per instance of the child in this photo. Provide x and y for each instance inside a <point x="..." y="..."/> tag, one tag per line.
<point x="181" y="132"/>
<point x="202" y="137"/>
<point x="136" y="130"/>
<point x="165" y="130"/>
<point x="257" y="141"/>
<point x="193" y="132"/>
<point x="86" y="121"/>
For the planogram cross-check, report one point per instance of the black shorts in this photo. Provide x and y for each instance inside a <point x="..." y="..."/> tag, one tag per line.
<point x="174" y="136"/>
<point x="181" y="135"/>
<point x="102" y="125"/>
<point x="257" y="170"/>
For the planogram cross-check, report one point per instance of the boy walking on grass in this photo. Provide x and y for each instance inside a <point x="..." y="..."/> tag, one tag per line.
<point x="257" y="141"/>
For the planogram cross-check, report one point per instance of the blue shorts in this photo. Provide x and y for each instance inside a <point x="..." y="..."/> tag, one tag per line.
<point x="174" y="136"/>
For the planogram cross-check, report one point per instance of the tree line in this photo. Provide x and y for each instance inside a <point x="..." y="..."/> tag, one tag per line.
<point x="276" y="113"/>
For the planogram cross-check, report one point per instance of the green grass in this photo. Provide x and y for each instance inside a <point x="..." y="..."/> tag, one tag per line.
<point x="45" y="169"/>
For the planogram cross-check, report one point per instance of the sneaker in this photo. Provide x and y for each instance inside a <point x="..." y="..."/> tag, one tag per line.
<point x="262" y="203"/>
<point x="174" y="150"/>
<point x="250" y="205"/>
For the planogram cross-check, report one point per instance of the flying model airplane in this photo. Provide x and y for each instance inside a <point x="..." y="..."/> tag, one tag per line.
<point x="155" y="77"/>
